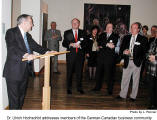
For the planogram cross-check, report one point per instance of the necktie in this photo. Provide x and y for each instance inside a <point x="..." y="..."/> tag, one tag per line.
<point x="53" y="31"/>
<point x="76" y="40"/>
<point x="132" y="45"/>
<point x="26" y="43"/>
<point x="108" y="35"/>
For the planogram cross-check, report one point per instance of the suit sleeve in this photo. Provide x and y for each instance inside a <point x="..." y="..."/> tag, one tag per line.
<point x="100" y="41"/>
<point x="84" y="42"/>
<point x="123" y="47"/>
<point x="12" y="47"/>
<point x="88" y="44"/>
<point x="59" y="36"/>
<point x="66" y="42"/>
<point x="36" y="47"/>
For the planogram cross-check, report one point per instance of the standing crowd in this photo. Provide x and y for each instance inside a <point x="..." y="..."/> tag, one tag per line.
<point x="135" y="49"/>
<point x="103" y="50"/>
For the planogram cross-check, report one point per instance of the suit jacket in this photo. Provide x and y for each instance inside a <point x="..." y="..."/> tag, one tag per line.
<point x="53" y="44"/>
<point x="14" y="67"/>
<point x="150" y="41"/>
<point x="102" y="41"/>
<point x="69" y="38"/>
<point x="139" y="49"/>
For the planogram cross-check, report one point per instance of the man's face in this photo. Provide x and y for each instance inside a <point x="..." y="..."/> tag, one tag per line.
<point x="96" y="22"/>
<point x="75" y="24"/>
<point x="134" y="29"/>
<point x="153" y="29"/>
<point x="28" y="23"/>
<point x="109" y="28"/>
<point x="53" y="26"/>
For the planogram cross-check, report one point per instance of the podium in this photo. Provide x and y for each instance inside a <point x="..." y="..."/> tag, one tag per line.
<point x="46" y="88"/>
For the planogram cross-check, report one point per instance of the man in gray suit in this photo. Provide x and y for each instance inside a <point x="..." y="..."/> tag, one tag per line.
<point x="53" y="37"/>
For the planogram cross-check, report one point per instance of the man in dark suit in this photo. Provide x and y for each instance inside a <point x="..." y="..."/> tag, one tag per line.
<point x="74" y="41"/>
<point x="106" y="58"/>
<point x="133" y="51"/>
<point x="153" y="30"/>
<point x="20" y="44"/>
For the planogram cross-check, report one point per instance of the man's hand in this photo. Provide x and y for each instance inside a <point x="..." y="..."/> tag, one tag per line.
<point x="75" y="45"/>
<point x="25" y="55"/>
<point x="99" y="46"/>
<point x="110" y="45"/>
<point x="54" y="36"/>
<point x="29" y="57"/>
<point x="78" y="44"/>
<point x="71" y="45"/>
<point x="52" y="51"/>
<point x="152" y="58"/>
<point x="87" y="54"/>
<point x="126" y="52"/>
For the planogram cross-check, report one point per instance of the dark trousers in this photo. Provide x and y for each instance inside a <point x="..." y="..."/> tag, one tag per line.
<point x="142" y="70"/>
<point x="51" y="70"/>
<point x="105" y="66"/>
<point x="152" y="88"/>
<point x="75" y="64"/>
<point x="16" y="91"/>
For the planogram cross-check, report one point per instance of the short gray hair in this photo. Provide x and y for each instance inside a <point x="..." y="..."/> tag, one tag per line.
<point x="53" y="22"/>
<point x="22" y="17"/>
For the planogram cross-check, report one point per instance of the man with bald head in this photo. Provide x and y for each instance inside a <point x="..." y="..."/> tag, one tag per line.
<point x="74" y="41"/>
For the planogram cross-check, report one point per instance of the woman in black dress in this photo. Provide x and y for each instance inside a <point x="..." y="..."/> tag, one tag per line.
<point x="92" y="51"/>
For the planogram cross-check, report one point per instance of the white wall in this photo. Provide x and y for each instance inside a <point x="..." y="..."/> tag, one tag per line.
<point x="144" y="11"/>
<point x="1" y="55"/>
<point x="6" y="24"/>
<point x="63" y="11"/>
<point x="16" y="11"/>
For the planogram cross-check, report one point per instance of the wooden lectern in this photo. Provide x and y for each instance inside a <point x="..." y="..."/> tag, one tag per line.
<point x="46" y="87"/>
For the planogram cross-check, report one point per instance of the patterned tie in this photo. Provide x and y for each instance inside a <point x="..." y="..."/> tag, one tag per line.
<point x="76" y="40"/>
<point x="108" y="35"/>
<point x="53" y="31"/>
<point x="26" y="43"/>
<point x="132" y="45"/>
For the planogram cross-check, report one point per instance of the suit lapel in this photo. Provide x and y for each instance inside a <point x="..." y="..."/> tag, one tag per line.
<point x="72" y="35"/>
<point x="129" y="40"/>
<point x="109" y="38"/>
<point x="137" y="39"/>
<point x="79" y="34"/>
